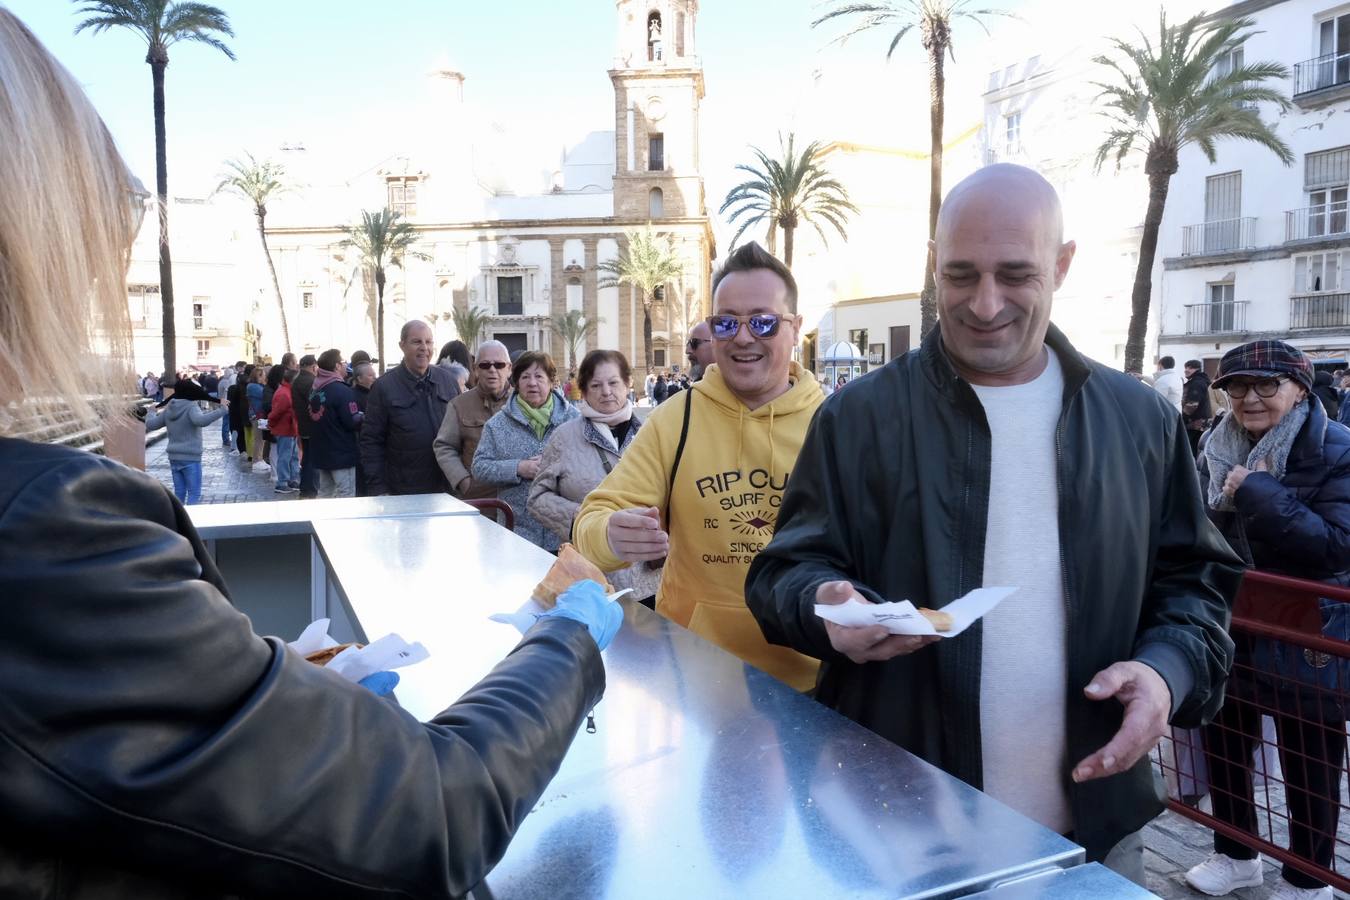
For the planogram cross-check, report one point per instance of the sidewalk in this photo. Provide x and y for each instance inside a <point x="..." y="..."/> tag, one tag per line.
<point x="222" y="482"/>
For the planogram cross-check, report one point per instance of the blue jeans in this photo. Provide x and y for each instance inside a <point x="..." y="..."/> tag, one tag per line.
<point x="187" y="480"/>
<point x="287" y="464"/>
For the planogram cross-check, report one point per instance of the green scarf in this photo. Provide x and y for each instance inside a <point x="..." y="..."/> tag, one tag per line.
<point x="540" y="418"/>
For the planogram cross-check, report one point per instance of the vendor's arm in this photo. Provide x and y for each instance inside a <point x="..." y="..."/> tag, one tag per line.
<point x="636" y="492"/>
<point x="140" y="713"/>
<point x="810" y="548"/>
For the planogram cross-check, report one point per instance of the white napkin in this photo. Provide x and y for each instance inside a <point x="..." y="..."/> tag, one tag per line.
<point x="904" y="618"/>
<point x="530" y="610"/>
<point x="388" y="653"/>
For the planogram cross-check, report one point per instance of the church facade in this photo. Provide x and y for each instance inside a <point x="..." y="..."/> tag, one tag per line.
<point x="523" y="249"/>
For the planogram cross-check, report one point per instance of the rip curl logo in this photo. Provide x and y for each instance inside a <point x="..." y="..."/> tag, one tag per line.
<point x="753" y="522"/>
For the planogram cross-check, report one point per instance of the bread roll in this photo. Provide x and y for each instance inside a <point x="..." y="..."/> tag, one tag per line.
<point x="940" y="620"/>
<point x="569" y="568"/>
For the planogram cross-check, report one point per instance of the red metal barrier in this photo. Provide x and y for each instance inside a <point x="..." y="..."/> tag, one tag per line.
<point x="1288" y="672"/>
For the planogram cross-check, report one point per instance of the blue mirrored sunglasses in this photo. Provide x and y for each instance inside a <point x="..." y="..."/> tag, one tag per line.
<point x="761" y="325"/>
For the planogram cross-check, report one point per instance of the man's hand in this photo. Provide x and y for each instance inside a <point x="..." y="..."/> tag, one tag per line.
<point x="871" y="644"/>
<point x="635" y="535"/>
<point x="528" y="468"/>
<point x="1147" y="701"/>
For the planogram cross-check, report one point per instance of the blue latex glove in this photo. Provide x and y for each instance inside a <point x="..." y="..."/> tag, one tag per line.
<point x="380" y="683"/>
<point x="587" y="603"/>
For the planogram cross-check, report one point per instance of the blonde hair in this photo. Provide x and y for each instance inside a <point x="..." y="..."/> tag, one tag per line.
<point x="66" y="230"/>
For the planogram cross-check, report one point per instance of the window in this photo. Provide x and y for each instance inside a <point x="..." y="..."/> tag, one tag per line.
<point x="198" y="315"/>
<point x="307" y="299"/>
<point x="1228" y="63"/>
<point x="1316" y="273"/>
<point x="656" y="206"/>
<point x="1012" y="130"/>
<point x="656" y="153"/>
<point x="1223" y="211"/>
<point x="143" y="303"/>
<point x="203" y="349"/>
<point x="1222" y="314"/>
<point x="403" y="196"/>
<point x="658" y="358"/>
<point x="654" y="53"/>
<point x="510" y="295"/>
<point x="1326" y="211"/>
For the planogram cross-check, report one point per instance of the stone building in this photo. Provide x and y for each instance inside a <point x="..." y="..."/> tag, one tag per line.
<point x="502" y="232"/>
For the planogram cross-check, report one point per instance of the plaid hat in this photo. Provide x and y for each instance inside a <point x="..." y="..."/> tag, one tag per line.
<point x="1265" y="359"/>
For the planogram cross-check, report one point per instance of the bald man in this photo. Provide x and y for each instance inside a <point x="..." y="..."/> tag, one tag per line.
<point x="997" y="455"/>
<point x="699" y="350"/>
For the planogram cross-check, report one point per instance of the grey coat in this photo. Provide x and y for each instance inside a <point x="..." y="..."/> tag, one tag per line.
<point x="185" y="421"/>
<point x="570" y="469"/>
<point x="507" y="439"/>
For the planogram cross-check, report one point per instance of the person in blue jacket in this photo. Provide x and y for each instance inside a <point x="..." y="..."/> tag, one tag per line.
<point x="337" y="422"/>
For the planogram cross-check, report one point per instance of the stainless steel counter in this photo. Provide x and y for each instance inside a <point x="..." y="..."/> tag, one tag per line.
<point x="706" y="778"/>
<point x="1090" y="882"/>
<point x="216" y="521"/>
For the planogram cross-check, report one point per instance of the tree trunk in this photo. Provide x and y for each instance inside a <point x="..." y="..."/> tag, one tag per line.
<point x="788" y="234"/>
<point x="647" y="329"/>
<point x="379" y="314"/>
<point x="162" y="192"/>
<point x="276" y="286"/>
<point x="1159" y="175"/>
<point x="773" y="239"/>
<point x="936" y="88"/>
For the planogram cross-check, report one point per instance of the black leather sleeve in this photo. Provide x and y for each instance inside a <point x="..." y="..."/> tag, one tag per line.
<point x="141" y="716"/>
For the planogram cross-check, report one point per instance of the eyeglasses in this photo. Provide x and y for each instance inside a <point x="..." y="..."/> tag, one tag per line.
<point x="485" y="366"/>
<point x="695" y="343"/>
<point x="1265" y="387"/>
<point x="762" y="325"/>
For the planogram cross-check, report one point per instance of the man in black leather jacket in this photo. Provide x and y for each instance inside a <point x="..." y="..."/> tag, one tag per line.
<point x="892" y="496"/>
<point x="151" y="745"/>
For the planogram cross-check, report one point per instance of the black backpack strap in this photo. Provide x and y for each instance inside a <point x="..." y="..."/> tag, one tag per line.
<point x="679" y="452"/>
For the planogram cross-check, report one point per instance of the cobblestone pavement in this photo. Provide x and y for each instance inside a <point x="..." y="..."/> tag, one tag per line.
<point x="222" y="481"/>
<point x="1172" y="843"/>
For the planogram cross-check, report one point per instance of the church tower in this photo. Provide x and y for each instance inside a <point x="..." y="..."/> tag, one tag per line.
<point x="658" y="83"/>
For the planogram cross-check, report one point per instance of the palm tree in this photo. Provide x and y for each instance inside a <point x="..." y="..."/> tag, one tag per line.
<point x="161" y="23"/>
<point x="788" y="193"/>
<point x="469" y="324"/>
<point x="1162" y="98"/>
<point x="573" y="327"/>
<point x="258" y="182"/>
<point x="382" y="239"/>
<point x="934" y="20"/>
<point x="647" y="262"/>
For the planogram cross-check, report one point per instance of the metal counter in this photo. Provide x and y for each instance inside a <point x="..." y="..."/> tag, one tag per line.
<point x="1090" y="882"/>
<point x="706" y="778"/>
<point x="265" y="550"/>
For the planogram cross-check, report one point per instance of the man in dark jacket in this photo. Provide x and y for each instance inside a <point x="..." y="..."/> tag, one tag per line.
<point x="404" y="412"/>
<point x="300" y="388"/>
<point x="1196" y="410"/>
<point x="336" y="420"/>
<point x="363" y="376"/>
<point x="1009" y="460"/>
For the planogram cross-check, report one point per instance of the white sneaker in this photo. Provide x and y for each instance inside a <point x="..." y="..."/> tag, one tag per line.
<point x="262" y="467"/>
<point x="1286" y="891"/>
<point x="1221" y="874"/>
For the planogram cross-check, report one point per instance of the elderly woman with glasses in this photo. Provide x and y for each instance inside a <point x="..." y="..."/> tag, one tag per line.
<point x="1277" y="475"/>
<point x="514" y="439"/>
<point x="462" y="428"/>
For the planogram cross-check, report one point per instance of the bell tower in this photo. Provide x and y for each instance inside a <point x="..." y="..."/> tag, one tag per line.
<point x="658" y="84"/>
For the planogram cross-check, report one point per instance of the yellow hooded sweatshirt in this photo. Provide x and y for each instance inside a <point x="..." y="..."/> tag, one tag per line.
<point x="720" y="513"/>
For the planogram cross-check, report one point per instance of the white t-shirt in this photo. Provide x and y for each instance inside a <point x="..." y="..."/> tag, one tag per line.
<point x="1024" y="666"/>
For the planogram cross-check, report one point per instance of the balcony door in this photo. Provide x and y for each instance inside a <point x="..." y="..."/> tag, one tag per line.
<point x="1222" y="308"/>
<point x="1333" y="51"/>
<point x="1223" y="211"/>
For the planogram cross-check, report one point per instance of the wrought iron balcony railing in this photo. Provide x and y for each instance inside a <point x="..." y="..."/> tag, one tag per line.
<point x="1319" y="311"/>
<point x="1224" y="317"/>
<point x="1325" y="220"/>
<point x="1218" y="237"/>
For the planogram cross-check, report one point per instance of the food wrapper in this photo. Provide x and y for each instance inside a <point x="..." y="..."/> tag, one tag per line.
<point x="353" y="661"/>
<point x="904" y="618"/>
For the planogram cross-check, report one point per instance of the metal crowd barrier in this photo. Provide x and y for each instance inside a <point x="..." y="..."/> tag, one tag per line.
<point x="1272" y="768"/>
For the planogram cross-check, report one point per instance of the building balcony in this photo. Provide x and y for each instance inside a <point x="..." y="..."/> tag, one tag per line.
<point x="1319" y="311"/>
<point x="1223" y="236"/>
<point x="1313" y="222"/>
<point x="1323" y="80"/>
<point x="1227" y="317"/>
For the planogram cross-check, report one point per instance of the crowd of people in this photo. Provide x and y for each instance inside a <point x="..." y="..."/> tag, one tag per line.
<point x="994" y="454"/>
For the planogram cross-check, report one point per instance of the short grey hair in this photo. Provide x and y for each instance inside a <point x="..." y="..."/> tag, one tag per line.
<point x="408" y="326"/>
<point x="456" y="370"/>
<point x="362" y="368"/>
<point x="497" y="344"/>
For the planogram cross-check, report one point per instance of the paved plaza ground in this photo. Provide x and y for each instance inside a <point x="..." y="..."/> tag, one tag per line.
<point x="1173" y="843"/>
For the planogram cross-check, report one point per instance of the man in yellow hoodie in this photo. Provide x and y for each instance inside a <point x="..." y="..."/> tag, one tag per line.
<point x="702" y="482"/>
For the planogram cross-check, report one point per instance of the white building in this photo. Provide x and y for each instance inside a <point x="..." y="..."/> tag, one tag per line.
<point x="1250" y="248"/>
<point x="503" y="229"/>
